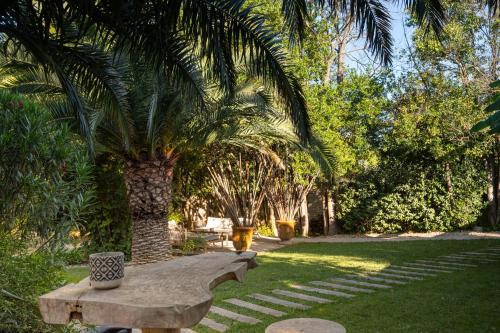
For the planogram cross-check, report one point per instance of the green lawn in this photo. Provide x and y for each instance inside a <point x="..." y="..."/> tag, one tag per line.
<point x="464" y="301"/>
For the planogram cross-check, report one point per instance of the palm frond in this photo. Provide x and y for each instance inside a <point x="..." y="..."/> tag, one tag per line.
<point x="373" y="18"/>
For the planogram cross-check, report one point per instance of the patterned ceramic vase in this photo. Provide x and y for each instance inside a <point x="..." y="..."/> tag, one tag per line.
<point x="106" y="270"/>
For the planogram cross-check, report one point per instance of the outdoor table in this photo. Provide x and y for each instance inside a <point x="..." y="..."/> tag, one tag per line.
<point x="159" y="297"/>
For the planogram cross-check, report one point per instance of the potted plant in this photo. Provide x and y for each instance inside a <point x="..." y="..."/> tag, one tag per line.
<point x="239" y="187"/>
<point x="286" y="192"/>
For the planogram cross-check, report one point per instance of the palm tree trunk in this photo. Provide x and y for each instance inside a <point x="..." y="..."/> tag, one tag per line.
<point x="149" y="189"/>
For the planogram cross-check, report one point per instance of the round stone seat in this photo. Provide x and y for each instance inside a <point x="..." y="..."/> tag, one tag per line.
<point x="305" y="325"/>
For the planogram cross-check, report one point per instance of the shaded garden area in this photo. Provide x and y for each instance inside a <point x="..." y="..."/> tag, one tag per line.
<point x="165" y="129"/>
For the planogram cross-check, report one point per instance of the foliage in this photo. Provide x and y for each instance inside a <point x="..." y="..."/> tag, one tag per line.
<point x="73" y="256"/>
<point x="44" y="171"/>
<point x="193" y="245"/>
<point x="65" y="37"/>
<point x="288" y="188"/>
<point x="109" y="227"/>
<point x="349" y="118"/>
<point x="23" y="278"/>
<point x="265" y="230"/>
<point x="493" y="121"/>
<point x="430" y="176"/>
<point x="240" y="187"/>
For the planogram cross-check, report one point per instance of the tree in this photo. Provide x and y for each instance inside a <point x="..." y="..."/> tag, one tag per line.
<point x="44" y="170"/>
<point x="164" y="129"/>
<point x="468" y="52"/>
<point x="173" y="35"/>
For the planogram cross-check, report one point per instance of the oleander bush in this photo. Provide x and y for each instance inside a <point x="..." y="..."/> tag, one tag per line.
<point x="23" y="277"/>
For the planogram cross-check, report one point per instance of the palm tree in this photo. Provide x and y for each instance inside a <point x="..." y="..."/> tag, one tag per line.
<point x="171" y="34"/>
<point x="158" y="127"/>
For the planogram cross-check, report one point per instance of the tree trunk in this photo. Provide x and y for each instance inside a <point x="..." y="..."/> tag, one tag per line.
<point x="149" y="188"/>
<point x="333" y="228"/>
<point x="272" y="219"/>
<point x="326" y="216"/>
<point x="304" y="218"/>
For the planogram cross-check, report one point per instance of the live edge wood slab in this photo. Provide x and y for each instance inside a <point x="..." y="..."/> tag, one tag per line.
<point x="158" y="297"/>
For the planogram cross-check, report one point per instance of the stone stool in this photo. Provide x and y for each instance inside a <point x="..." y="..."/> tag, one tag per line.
<point x="305" y="325"/>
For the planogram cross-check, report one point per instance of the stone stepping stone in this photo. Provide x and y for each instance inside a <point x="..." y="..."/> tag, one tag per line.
<point x="280" y="301"/>
<point x="322" y="291"/>
<point x="303" y="297"/>
<point x="255" y="307"/>
<point x="398" y="276"/>
<point x="213" y="325"/>
<point x="447" y="263"/>
<point x="340" y="286"/>
<point x="399" y="271"/>
<point x="422" y="269"/>
<point x="361" y="283"/>
<point x="435" y="266"/>
<point x="373" y="278"/>
<point x="234" y="316"/>
<point x="462" y="258"/>
<point x="187" y="330"/>
<point x="305" y="325"/>
<point x="483" y="254"/>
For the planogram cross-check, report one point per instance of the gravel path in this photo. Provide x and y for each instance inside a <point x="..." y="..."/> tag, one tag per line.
<point x="264" y="244"/>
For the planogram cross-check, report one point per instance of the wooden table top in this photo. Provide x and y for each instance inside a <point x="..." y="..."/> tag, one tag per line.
<point x="169" y="294"/>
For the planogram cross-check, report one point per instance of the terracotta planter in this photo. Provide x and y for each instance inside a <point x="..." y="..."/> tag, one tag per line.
<point x="286" y="229"/>
<point x="242" y="238"/>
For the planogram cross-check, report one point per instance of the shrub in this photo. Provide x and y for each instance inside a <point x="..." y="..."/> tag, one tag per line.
<point x="44" y="171"/>
<point x="418" y="203"/>
<point x="265" y="230"/>
<point x="193" y="245"/>
<point x="24" y="277"/>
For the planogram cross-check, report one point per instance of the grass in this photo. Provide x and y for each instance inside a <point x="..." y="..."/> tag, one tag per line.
<point x="463" y="301"/>
<point x="74" y="274"/>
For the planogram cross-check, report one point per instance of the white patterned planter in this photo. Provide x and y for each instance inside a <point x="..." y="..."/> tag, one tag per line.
<point x="106" y="269"/>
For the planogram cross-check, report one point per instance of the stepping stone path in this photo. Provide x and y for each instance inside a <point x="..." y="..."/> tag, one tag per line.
<point x="322" y="291"/>
<point x="213" y="325"/>
<point x="280" y="301"/>
<point x="355" y="284"/>
<point x="373" y="278"/>
<point x="339" y="286"/>
<point x="233" y="315"/>
<point x="435" y="266"/>
<point x="399" y="271"/>
<point x="468" y="257"/>
<point x="361" y="283"/>
<point x="300" y="296"/>
<point x="255" y="307"/>
<point x="481" y="254"/>
<point x="399" y="276"/>
<point x="422" y="269"/>
<point x="447" y="263"/>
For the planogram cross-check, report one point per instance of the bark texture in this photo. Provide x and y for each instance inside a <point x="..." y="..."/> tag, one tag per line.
<point x="149" y="189"/>
<point x="304" y="218"/>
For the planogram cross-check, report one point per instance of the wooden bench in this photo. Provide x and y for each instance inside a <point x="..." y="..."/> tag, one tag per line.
<point x="162" y="297"/>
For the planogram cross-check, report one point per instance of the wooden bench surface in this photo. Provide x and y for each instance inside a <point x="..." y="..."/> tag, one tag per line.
<point x="169" y="294"/>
